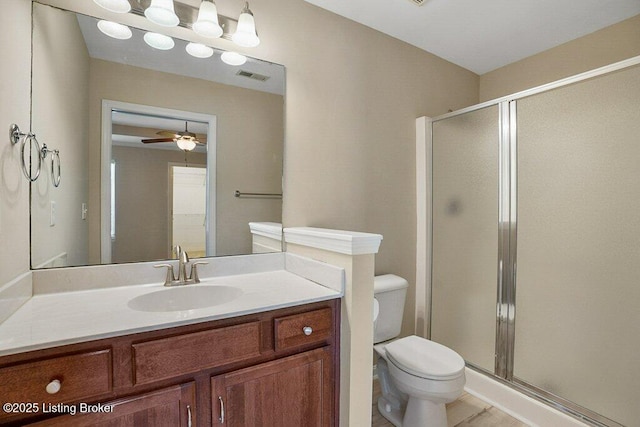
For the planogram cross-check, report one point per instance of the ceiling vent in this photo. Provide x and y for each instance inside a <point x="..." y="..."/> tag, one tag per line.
<point x="418" y="2"/>
<point x="250" y="75"/>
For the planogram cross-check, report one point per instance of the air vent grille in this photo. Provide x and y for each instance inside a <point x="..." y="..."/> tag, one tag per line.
<point x="250" y="75"/>
<point x="419" y="2"/>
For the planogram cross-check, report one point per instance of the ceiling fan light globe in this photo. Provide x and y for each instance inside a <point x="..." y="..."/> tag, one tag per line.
<point x="159" y="41"/>
<point x="117" y="6"/>
<point x="185" y="144"/>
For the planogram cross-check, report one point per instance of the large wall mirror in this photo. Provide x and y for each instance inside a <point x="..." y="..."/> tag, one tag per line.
<point x="154" y="146"/>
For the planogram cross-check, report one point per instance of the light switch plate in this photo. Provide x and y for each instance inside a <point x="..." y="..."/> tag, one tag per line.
<point x="52" y="213"/>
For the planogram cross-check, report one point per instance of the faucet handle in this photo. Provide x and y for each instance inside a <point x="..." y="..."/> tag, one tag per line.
<point x="194" y="270"/>
<point x="170" y="277"/>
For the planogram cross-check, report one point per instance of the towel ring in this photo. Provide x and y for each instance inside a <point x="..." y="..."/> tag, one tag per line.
<point x="55" y="154"/>
<point x="32" y="139"/>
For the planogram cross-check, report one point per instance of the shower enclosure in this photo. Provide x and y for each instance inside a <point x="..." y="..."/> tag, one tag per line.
<point x="535" y="241"/>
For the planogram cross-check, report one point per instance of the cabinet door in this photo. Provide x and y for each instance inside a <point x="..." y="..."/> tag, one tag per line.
<point x="290" y="392"/>
<point x="170" y="407"/>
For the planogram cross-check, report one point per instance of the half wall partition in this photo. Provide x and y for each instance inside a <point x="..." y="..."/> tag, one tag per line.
<point x="535" y="241"/>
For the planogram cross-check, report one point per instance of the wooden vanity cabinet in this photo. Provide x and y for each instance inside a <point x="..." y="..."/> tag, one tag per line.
<point x="277" y="368"/>
<point x="169" y="407"/>
<point x="290" y="392"/>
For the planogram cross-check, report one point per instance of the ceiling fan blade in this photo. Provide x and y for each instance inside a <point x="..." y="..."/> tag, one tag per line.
<point x="151" y="141"/>
<point x="168" y="134"/>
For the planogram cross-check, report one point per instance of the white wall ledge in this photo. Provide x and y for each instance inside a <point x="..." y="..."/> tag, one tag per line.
<point x="272" y="230"/>
<point x="340" y="241"/>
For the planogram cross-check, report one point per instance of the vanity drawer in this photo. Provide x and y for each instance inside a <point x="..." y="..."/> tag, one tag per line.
<point x="184" y="354"/>
<point x="304" y="328"/>
<point x="80" y="376"/>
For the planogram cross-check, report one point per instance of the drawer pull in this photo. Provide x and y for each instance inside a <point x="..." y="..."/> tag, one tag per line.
<point x="307" y="330"/>
<point x="53" y="387"/>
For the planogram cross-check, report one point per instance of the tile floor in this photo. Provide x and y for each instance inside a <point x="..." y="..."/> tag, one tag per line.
<point x="467" y="411"/>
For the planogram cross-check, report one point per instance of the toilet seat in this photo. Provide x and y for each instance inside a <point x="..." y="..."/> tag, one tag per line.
<point x="425" y="359"/>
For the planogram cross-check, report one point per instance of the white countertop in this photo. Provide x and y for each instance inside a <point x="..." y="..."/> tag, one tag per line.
<point x="48" y="320"/>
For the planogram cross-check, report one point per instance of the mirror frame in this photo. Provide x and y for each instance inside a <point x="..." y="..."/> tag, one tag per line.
<point x="108" y="106"/>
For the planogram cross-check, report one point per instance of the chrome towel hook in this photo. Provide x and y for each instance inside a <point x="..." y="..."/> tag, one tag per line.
<point x="15" y="135"/>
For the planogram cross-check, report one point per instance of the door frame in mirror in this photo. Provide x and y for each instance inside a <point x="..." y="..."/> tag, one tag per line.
<point x="108" y="106"/>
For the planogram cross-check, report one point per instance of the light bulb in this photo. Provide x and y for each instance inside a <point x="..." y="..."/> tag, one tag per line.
<point x="117" y="6"/>
<point x="199" y="50"/>
<point x="233" y="58"/>
<point x="161" y="12"/>
<point x="207" y="24"/>
<point x="115" y="30"/>
<point x="159" y="41"/>
<point x="245" y="34"/>
<point x="185" y="144"/>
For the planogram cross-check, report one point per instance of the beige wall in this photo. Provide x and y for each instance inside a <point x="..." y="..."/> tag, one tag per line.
<point x="604" y="47"/>
<point x="142" y="201"/>
<point x="249" y="139"/>
<point x="353" y="95"/>
<point x="14" y="108"/>
<point x="61" y="121"/>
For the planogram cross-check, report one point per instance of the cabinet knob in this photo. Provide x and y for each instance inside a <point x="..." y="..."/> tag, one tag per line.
<point x="307" y="330"/>
<point x="53" y="387"/>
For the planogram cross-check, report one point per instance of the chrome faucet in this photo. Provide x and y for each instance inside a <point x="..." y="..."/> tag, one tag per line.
<point x="183" y="260"/>
<point x="183" y="278"/>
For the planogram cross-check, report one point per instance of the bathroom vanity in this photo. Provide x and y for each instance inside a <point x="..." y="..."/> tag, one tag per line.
<point x="259" y="369"/>
<point x="118" y="356"/>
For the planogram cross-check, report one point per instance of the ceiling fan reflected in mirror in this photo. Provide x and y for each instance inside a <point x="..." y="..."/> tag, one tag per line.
<point x="185" y="140"/>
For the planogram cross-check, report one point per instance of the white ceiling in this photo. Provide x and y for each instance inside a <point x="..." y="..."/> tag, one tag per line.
<point x="482" y="35"/>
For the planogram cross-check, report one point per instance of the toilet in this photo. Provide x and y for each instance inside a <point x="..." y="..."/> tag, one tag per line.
<point x="417" y="376"/>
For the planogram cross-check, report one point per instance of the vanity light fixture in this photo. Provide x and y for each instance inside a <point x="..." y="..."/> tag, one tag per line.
<point x="207" y="24"/>
<point x="233" y="58"/>
<point x="199" y="50"/>
<point x="245" y="34"/>
<point x="159" y="41"/>
<point x="115" y="30"/>
<point x="117" y="6"/>
<point x="162" y="12"/>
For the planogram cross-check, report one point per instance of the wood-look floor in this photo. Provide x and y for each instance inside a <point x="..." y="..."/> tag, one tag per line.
<point x="467" y="411"/>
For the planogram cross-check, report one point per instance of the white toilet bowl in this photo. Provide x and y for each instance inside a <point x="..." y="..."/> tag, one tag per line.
<point x="417" y="378"/>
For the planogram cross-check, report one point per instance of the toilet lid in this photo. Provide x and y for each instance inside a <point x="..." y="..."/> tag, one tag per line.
<point x="425" y="359"/>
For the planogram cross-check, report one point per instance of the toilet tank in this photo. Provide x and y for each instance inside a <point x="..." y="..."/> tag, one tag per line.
<point x="390" y="291"/>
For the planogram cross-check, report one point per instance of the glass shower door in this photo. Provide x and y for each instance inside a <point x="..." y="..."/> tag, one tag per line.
<point x="578" y="280"/>
<point x="464" y="232"/>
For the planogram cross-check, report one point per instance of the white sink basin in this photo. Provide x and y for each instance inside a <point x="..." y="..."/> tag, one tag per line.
<point x="186" y="297"/>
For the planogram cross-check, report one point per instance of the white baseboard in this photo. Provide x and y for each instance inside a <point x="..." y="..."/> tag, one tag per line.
<point x="516" y="404"/>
